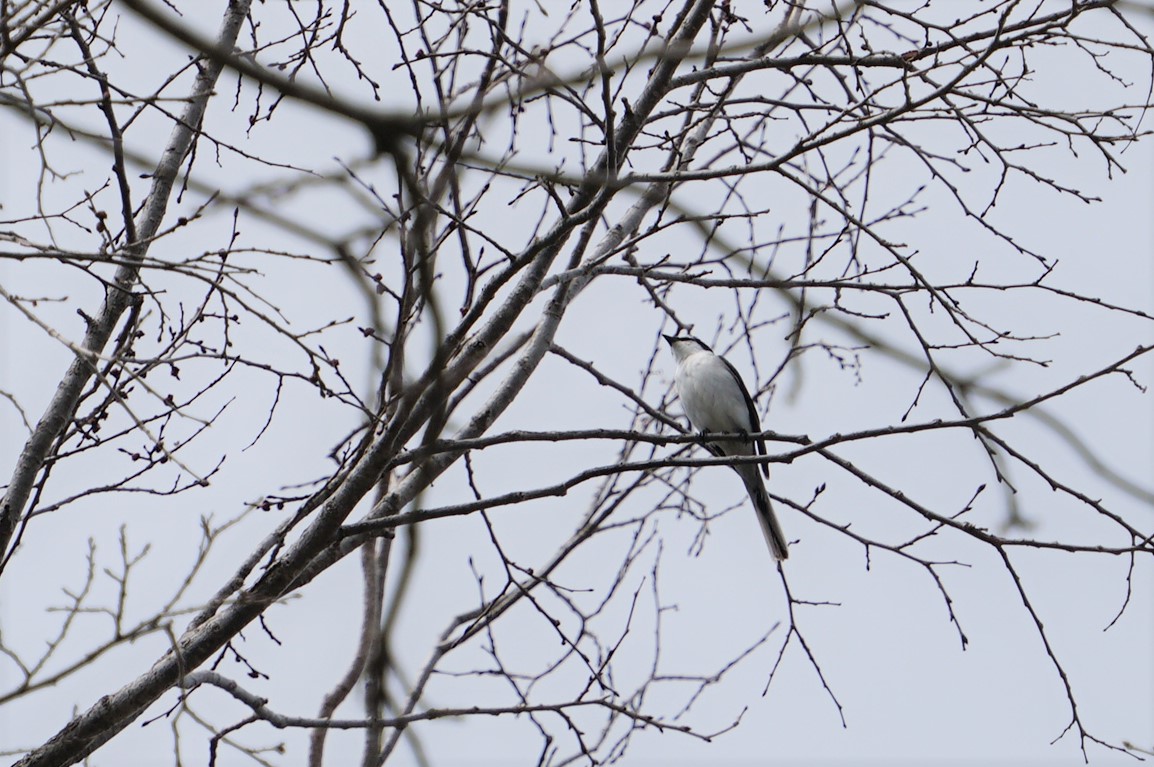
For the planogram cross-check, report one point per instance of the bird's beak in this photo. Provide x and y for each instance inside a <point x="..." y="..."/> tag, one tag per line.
<point x="668" y="339"/>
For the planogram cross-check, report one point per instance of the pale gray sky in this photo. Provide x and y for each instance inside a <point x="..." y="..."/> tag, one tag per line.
<point x="884" y="642"/>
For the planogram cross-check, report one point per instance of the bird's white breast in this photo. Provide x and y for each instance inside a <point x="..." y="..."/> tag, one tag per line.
<point x="711" y="398"/>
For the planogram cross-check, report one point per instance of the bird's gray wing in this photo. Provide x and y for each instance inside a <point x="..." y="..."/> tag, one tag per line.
<point x="754" y="421"/>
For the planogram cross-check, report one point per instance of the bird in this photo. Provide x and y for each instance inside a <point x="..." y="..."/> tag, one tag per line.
<point x="716" y="400"/>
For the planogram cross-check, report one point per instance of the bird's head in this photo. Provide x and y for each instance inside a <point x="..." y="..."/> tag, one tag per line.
<point x="683" y="346"/>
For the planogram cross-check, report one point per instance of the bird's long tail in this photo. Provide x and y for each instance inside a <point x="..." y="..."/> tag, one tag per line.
<point x="765" y="516"/>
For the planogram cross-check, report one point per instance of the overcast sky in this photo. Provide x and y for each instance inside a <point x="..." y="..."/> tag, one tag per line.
<point x="881" y="634"/>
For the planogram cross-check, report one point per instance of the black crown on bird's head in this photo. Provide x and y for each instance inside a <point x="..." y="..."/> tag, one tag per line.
<point x="675" y="340"/>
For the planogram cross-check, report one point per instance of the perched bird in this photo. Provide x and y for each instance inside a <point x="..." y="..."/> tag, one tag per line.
<point x="716" y="400"/>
